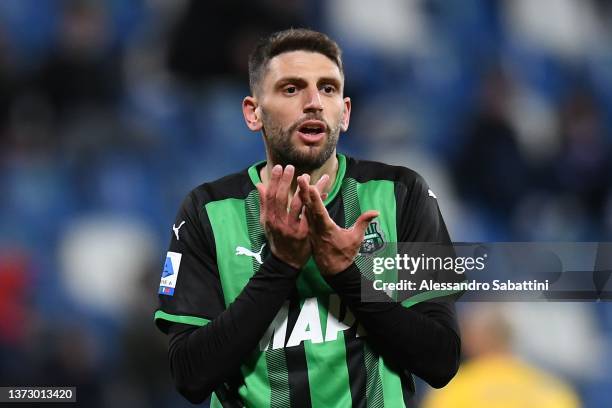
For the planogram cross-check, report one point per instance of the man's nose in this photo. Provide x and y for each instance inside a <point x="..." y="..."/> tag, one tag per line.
<point x="313" y="101"/>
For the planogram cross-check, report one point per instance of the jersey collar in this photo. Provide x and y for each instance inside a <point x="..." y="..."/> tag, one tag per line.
<point x="254" y="176"/>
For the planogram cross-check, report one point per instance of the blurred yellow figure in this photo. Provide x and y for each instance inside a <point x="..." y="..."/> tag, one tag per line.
<point x="493" y="377"/>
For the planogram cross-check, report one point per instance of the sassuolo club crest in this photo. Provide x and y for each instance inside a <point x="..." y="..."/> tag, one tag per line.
<point x="373" y="241"/>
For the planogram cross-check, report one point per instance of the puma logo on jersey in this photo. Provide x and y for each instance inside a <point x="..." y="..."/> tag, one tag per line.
<point x="431" y="193"/>
<point x="176" y="229"/>
<point x="245" y="251"/>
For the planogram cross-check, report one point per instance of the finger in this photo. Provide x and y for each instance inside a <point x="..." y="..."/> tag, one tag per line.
<point x="316" y="202"/>
<point x="296" y="205"/>
<point x="322" y="183"/>
<point x="303" y="221"/>
<point x="282" y="194"/>
<point x="317" y="212"/>
<point x="362" y="223"/>
<point x="303" y="184"/>
<point x="270" y="200"/>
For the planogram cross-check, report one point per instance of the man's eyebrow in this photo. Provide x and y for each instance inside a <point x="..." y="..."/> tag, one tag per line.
<point x="329" y="80"/>
<point x="290" y="80"/>
<point x="302" y="82"/>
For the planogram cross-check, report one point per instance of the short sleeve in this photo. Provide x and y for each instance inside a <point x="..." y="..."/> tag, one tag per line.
<point x="190" y="290"/>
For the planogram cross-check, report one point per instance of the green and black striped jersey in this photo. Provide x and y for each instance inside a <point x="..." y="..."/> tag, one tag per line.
<point x="314" y="352"/>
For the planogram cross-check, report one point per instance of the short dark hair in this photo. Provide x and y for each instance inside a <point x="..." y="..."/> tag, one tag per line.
<point x="293" y="39"/>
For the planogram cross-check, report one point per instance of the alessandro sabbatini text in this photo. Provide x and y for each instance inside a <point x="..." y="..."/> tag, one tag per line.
<point x="489" y="271"/>
<point x="471" y="285"/>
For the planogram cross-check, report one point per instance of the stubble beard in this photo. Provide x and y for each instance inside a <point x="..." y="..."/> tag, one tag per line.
<point x="282" y="151"/>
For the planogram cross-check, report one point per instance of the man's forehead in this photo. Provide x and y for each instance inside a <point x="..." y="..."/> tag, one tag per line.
<point x="302" y="64"/>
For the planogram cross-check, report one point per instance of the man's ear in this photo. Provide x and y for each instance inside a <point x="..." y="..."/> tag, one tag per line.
<point x="346" y="114"/>
<point x="252" y="113"/>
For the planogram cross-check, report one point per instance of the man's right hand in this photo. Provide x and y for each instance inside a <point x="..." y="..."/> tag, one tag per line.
<point x="286" y="230"/>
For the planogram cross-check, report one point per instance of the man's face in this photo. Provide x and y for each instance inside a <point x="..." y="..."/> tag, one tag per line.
<point x="302" y="109"/>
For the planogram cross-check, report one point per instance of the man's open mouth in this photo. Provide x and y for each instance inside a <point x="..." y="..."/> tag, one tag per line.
<point x="312" y="131"/>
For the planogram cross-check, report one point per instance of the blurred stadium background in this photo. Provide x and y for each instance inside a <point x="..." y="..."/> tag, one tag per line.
<point x="110" y="112"/>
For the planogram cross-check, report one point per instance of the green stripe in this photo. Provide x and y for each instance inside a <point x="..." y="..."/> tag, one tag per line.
<point x="380" y="195"/>
<point x="256" y="387"/>
<point x="310" y="283"/>
<point x="195" y="321"/>
<point x="278" y="376"/>
<point x="392" y="385"/>
<point x="328" y="375"/>
<point x="374" y="387"/>
<point x="232" y="221"/>
<point x="228" y="221"/>
<point x="352" y="211"/>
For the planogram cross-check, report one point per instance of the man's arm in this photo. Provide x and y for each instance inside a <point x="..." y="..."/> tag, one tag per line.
<point x="202" y="358"/>
<point x="423" y="339"/>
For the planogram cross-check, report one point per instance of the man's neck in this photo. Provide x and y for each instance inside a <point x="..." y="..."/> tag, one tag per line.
<point x="330" y="167"/>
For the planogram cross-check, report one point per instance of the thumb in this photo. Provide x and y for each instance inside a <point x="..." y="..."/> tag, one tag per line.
<point x="363" y="221"/>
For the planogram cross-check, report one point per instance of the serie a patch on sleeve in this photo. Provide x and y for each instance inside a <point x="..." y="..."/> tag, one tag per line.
<point x="170" y="273"/>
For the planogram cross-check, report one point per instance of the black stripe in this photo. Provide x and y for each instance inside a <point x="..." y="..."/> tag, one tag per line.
<point x="297" y="367"/>
<point x="356" y="367"/>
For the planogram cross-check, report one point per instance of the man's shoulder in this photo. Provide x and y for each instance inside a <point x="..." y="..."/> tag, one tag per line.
<point x="236" y="185"/>
<point x="367" y="170"/>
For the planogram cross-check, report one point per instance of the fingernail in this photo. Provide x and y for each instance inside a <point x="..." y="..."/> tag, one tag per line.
<point x="277" y="169"/>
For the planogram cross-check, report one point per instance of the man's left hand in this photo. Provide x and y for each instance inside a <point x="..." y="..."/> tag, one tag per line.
<point x="333" y="248"/>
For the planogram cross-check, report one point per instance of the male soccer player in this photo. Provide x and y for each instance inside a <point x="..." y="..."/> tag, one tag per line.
<point x="261" y="289"/>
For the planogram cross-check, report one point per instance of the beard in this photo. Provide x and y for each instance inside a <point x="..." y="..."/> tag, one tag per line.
<point x="305" y="159"/>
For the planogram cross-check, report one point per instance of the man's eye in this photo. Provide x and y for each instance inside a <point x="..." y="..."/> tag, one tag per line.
<point x="290" y="89"/>
<point x="329" y="89"/>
